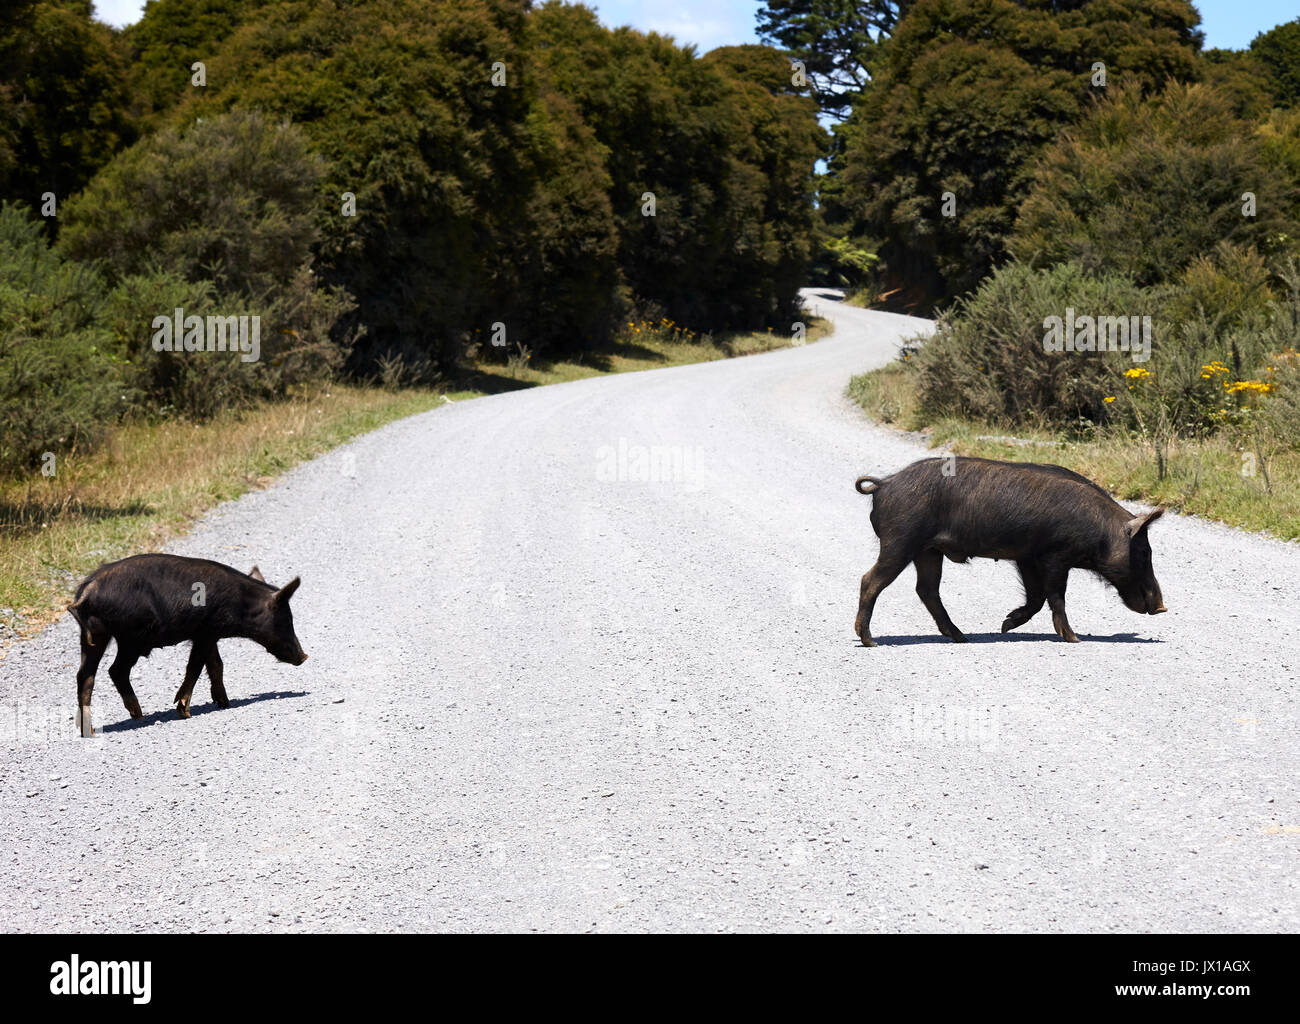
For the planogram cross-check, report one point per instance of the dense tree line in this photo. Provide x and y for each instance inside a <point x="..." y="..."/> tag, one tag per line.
<point x="965" y="96"/>
<point x="1003" y="162"/>
<point x="394" y="182"/>
<point x="964" y="111"/>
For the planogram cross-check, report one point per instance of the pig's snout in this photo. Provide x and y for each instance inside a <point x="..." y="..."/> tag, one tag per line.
<point x="291" y="656"/>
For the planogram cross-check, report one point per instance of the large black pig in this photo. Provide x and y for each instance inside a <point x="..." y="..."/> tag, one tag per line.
<point x="1047" y="519"/>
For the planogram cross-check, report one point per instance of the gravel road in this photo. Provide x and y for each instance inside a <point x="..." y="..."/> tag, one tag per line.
<point x="582" y="658"/>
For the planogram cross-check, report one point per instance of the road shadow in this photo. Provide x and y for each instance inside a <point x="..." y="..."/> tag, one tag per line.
<point x="829" y="296"/>
<point x="198" y="709"/>
<point x="1013" y="638"/>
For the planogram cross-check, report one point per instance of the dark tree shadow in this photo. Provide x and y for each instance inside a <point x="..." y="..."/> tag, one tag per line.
<point x="490" y="383"/>
<point x="626" y="349"/>
<point x="199" y="709"/>
<point x="23" y="517"/>
<point x="1012" y="638"/>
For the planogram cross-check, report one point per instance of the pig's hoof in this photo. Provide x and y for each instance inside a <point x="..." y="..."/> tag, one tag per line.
<point x="182" y="711"/>
<point x="1008" y="625"/>
<point x="867" y="641"/>
<point x="134" y="709"/>
<point x="223" y="702"/>
<point x="958" y="637"/>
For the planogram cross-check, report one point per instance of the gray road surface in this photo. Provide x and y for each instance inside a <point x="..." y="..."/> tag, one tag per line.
<point x="582" y="658"/>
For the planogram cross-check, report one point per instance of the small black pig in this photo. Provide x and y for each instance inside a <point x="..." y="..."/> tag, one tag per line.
<point x="1045" y="518"/>
<point x="149" y="601"/>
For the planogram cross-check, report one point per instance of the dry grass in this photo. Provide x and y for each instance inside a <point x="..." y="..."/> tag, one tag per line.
<point x="152" y="480"/>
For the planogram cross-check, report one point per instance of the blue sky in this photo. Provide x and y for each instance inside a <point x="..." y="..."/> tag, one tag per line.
<point x="1230" y="24"/>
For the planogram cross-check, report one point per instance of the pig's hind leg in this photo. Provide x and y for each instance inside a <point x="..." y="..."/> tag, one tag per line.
<point x="929" y="571"/>
<point x="120" y="673"/>
<point x="199" y="651"/>
<point x="215" y="678"/>
<point x="92" y="650"/>
<point x="881" y="575"/>
<point x="1032" y="577"/>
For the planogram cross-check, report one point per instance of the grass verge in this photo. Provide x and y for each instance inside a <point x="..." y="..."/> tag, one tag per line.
<point x="1213" y="478"/>
<point x="152" y="481"/>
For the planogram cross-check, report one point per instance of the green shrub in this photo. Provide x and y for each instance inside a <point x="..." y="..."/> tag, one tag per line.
<point x="1229" y="284"/>
<point x="229" y="199"/>
<point x="987" y="361"/>
<point x="61" y="379"/>
<point x="1275" y="420"/>
<point x="216" y="219"/>
<point x="1222" y="353"/>
<point x="1144" y="186"/>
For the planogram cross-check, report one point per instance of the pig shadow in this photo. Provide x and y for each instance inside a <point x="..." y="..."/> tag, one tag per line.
<point x="196" y="710"/>
<point x="1012" y="638"/>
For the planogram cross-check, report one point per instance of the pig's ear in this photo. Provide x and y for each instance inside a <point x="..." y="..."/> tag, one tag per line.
<point x="1139" y="523"/>
<point x="286" y="592"/>
<point x="256" y="573"/>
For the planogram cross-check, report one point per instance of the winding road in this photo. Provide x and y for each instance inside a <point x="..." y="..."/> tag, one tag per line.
<point x="582" y="658"/>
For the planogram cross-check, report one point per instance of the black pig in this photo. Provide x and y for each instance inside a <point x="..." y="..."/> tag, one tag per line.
<point x="1046" y="518"/>
<point x="149" y="601"/>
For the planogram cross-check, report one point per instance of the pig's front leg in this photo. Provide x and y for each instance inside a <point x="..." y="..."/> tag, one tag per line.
<point x="215" y="670"/>
<point x="1055" y="582"/>
<point x="199" y="652"/>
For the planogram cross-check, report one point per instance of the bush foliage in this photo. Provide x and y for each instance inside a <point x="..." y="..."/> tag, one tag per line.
<point x="1145" y="185"/>
<point x="1223" y="352"/>
<point x="61" y="380"/>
